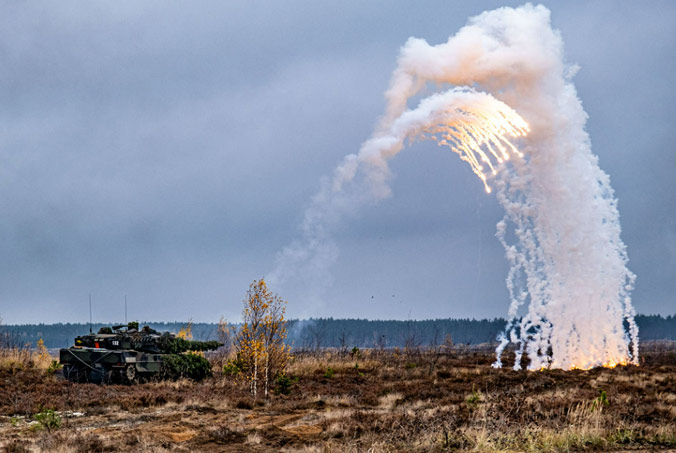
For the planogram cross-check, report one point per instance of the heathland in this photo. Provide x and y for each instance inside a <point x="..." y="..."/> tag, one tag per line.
<point x="350" y="399"/>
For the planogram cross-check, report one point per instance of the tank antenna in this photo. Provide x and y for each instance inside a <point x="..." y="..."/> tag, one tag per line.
<point x="125" y="309"/>
<point x="90" y="313"/>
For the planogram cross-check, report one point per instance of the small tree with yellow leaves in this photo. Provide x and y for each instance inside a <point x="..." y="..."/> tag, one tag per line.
<point x="260" y="340"/>
<point x="186" y="332"/>
<point x="43" y="354"/>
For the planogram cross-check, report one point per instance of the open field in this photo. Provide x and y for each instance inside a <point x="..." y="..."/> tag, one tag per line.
<point x="376" y="401"/>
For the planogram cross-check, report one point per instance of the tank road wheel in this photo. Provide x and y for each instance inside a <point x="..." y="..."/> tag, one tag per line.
<point x="68" y="372"/>
<point x="108" y="376"/>
<point x="117" y="376"/>
<point x="96" y="376"/>
<point x="73" y="373"/>
<point x="130" y="375"/>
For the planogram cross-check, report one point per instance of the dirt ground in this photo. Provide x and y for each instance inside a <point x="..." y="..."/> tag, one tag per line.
<point x="376" y="401"/>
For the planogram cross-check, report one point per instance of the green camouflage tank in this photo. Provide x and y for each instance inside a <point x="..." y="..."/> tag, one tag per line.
<point x="125" y="354"/>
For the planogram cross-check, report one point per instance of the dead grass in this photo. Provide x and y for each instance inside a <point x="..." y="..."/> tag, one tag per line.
<point x="15" y="359"/>
<point x="378" y="401"/>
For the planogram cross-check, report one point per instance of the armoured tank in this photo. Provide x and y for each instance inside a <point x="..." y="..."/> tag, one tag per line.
<point x="126" y="354"/>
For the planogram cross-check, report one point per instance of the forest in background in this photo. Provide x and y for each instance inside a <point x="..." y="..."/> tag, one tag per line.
<point x="338" y="333"/>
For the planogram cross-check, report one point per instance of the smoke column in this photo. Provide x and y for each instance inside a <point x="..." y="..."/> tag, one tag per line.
<point x="505" y="103"/>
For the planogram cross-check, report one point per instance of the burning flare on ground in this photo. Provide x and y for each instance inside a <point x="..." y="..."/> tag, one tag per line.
<point x="568" y="281"/>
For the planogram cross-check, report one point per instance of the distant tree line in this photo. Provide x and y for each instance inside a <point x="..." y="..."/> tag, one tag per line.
<point x="338" y="333"/>
<point x="344" y="333"/>
<point x="329" y="332"/>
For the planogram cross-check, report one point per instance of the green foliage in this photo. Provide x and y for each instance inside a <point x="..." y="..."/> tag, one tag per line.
<point x="473" y="399"/>
<point x="233" y="367"/>
<point x="14" y="421"/>
<point x="132" y="325"/>
<point x="623" y="436"/>
<point x="600" y="401"/>
<point x="48" y="418"/>
<point x="410" y="365"/>
<point x="283" y="384"/>
<point x="665" y="438"/>
<point x="53" y="367"/>
<point x="204" y="345"/>
<point x="175" y="345"/>
<point x="191" y="366"/>
<point x="356" y="353"/>
<point x="329" y="373"/>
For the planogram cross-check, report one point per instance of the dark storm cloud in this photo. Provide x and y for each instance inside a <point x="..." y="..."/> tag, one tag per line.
<point x="168" y="152"/>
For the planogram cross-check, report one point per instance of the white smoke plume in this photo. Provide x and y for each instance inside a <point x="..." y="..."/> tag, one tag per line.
<point x="502" y="78"/>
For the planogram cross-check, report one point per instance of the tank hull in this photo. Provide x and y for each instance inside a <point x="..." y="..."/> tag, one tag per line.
<point x="105" y="366"/>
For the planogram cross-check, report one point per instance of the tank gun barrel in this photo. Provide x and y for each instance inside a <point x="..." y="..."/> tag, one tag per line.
<point x="176" y="345"/>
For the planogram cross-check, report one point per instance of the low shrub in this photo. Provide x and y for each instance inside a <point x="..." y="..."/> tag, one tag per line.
<point x="284" y="383"/>
<point x="600" y="401"/>
<point x="191" y="366"/>
<point x="17" y="446"/>
<point x="243" y="404"/>
<point x="232" y="367"/>
<point x="53" y="367"/>
<point x="49" y="419"/>
<point x="225" y="436"/>
<point x="474" y="398"/>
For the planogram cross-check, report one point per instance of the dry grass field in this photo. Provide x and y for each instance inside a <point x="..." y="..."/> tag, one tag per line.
<point x="374" y="401"/>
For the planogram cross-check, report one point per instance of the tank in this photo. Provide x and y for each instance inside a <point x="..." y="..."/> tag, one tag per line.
<point x="125" y="354"/>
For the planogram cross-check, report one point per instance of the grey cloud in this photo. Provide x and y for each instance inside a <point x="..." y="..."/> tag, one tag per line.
<point x="168" y="152"/>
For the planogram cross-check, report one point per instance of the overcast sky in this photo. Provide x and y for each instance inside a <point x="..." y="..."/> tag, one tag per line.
<point x="167" y="151"/>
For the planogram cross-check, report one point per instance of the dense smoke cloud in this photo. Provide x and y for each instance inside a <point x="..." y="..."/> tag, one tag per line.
<point x="568" y="282"/>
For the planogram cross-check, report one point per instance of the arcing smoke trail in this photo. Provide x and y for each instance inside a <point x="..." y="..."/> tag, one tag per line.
<point x="561" y="230"/>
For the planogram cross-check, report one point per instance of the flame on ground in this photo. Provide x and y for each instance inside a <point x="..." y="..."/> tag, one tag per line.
<point x="610" y="364"/>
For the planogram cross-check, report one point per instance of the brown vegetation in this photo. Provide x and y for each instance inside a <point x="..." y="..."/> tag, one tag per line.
<point x="377" y="400"/>
<point x="22" y="357"/>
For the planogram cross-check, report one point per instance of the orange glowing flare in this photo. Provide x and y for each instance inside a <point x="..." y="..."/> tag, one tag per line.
<point x="479" y="133"/>
<point x="609" y="364"/>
